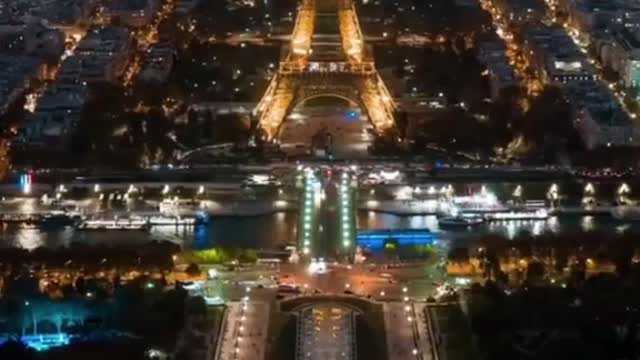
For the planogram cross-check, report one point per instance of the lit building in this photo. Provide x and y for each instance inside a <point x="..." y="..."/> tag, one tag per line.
<point x="620" y="51"/>
<point x="101" y="56"/>
<point x="521" y="12"/>
<point x="501" y="73"/>
<point x="58" y="112"/>
<point x="16" y="73"/>
<point x="599" y="119"/>
<point x="556" y="57"/>
<point x="135" y="13"/>
<point x="158" y="64"/>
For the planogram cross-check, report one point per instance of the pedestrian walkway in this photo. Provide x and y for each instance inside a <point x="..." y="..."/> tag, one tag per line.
<point x="326" y="331"/>
<point x="407" y="332"/>
<point x="244" y="331"/>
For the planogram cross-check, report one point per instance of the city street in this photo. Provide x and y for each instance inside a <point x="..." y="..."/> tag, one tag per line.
<point x="401" y="331"/>
<point x="244" y="331"/>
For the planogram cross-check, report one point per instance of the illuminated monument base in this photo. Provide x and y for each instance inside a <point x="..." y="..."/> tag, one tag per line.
<point x="42" y="342"/>
<point x="375" y="239"/>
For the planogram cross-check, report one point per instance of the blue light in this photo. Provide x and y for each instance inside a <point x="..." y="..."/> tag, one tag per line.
<point x="202" y="217"/>
<point x="352" y="116"/>
<point x="24" y="183"/>
<point x="201" y="237"/>
<point x="377" y="238"/>
<point x="43" y="342"/>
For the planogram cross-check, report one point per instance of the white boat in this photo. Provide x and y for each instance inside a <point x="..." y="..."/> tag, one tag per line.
<point x="117" y="225"/>
<point x="539" y="214"/>
<point x="171" y="221"/>
<point x="460" y="221"/>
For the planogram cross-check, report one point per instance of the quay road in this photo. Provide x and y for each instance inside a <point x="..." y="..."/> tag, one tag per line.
<point x="239" y="170"/>
<point x="244" y="331"/>
<point x="376" y="281"/>
<point x="401" y="291"/>
<point x="407" y="329"/>
<point x="234" y="176"/>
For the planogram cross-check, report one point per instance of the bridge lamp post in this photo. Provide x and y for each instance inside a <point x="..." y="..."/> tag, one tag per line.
<point x="344" y="210"/>
<point x="517" y="194"/>
<point x="307" y="220"/>
<point x="553" y="195"/>
<point x="623" y="193"/>
<point x="589" y="194"/>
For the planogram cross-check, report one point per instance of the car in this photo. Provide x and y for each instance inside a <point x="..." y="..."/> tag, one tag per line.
<point x="290" y="289"/>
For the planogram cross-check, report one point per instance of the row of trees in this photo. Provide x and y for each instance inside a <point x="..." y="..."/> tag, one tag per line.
<point x="220" y="256"/>
<point x="588" y="317"/>
<point x="551" y="254"/>
<point x="140" y="307"/>
<point x="153" y="255"/>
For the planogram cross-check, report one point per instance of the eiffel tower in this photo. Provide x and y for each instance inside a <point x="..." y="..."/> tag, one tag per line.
<point x="327" y="56"/>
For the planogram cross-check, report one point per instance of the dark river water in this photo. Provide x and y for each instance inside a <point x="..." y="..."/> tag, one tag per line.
<point x="279" y="229"/>
<point x="276" y="230"/>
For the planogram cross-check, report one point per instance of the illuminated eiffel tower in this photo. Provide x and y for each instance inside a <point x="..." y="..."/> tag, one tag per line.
<point x="326" y="57"/>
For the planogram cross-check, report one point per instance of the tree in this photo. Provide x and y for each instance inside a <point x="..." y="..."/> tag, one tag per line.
<point x="16" y="350"/>
<point x="548" y="123"/>
<point x="196" y="306"/>
<point x="535" y="271"/>
<point x="193" y="270"/>
<point x="459" y="255"/>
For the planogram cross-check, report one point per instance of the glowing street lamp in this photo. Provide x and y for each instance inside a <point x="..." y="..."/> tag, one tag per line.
<point x="623" y="189"/>
<point x="517" y="193"/>
<point x="589" y="189"/>
<point x="553" y="193"/>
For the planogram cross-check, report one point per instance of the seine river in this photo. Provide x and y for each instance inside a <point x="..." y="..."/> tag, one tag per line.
<point x="276" y="230"/>
<point x="279" y="229"/>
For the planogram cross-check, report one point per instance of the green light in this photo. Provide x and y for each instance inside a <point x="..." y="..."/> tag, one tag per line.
<point x="346" y="243"/>
<point x="345" y="234"/>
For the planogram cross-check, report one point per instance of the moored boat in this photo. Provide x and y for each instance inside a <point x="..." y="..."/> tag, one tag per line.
<point x="460" y="221"/>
